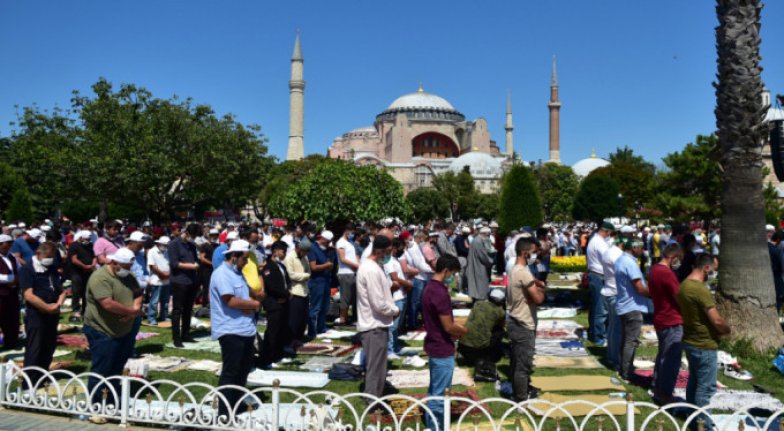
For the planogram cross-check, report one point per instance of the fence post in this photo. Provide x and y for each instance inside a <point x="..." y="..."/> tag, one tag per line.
<point x="629" y="412"/>
<point x="447" y="411"/>
<point x="3" y="366"/>
<point x="125" y="395"/>
<point x="275" y="405"/>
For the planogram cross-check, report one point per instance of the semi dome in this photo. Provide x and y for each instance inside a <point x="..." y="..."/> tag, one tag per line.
<point x="586" y="166"/>
<point x="422" y="106"/>
<point x="481" y="165"/>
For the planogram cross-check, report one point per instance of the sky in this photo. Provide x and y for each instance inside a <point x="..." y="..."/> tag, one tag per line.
<point x="631" y="73"/>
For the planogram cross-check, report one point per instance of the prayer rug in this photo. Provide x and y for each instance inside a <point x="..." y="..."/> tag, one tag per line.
<point x="725" y="399"/>
<point x="55" y="365"/>
<point x="324" y="349"/>
<point x="334" y="334"/>
<point x="288" y="379"/>
<point x="580" y="408"/>
<point x="402" y="406"/>
<point x="413" y="336"/>
<point x="406" y="379"/>
<point x="65" y="328"/>
<point x="78" y="341"/>
<point x="320" y="364"/>
<point x="145" y="335"/>
<point x="581" y="362"/>
<point x="644" y="379"/>
<point x="552" y="347"/>
<point x="205" y="365"/>
<point x="560" y="313"/>
<point x="204" y="344"/>
<point x="574" y="383"/>
<point x="18" y="354"/>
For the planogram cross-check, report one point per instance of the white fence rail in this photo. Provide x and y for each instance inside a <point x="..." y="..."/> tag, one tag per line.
<point x="197" y="405"/>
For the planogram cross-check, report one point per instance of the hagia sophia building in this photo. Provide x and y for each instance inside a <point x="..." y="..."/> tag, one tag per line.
<point x="421" y="134"/>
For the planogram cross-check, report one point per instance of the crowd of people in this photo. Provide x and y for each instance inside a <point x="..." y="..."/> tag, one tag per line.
<point x="391" y="278"/>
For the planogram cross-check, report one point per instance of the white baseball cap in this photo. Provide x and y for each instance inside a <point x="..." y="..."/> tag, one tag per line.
<point x="164" y="240"/>
<point x="6" y="238"/>
<point x="231" y="236"/>
<point x="123" y="255"/>
<point x="35" y="233"/>
<point x="327" y="235"/>
<point x="138" y="236"/>
<point x="214" y="231"/>
<point x="82" y="234"/>
<point x="769" y="228"/>
<point x="238" y="246"/>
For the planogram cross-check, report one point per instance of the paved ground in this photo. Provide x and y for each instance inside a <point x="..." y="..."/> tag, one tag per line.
<point x="15" y="420"/>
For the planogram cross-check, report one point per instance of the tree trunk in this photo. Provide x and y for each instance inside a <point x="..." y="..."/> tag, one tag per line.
<point x="103" y="211"/>
<point x="746" y="296"/>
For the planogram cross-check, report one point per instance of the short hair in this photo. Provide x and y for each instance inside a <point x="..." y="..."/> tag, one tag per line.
<point x="46" y="248"/>
<point x="703" y="259"/>
<point x="398" y="243"/>
<point x="671" y="250"/>
<point x="524" y="244"/>
<point x="112" y="225"/>
<point x="349" y="226"/>
<point x="447" y="262"/>
<point x="279" y="245"/>
<point x="381" y="242"/>
<point x="246" y="233"/>
<point x="193" y="229"/>
<point x="689" y="240"/>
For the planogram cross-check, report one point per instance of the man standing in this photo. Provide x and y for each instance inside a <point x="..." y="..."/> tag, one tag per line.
<point x="702" y="328"/>
<point x="478" y="267"/>
<point x="630" y="303"/>
<point x="184" y="282"/>
<point x="522" y="296"/>
<point x="415" y="259"/>
<point x="667" y="320"/>
<point x="376" y="310"/>
<point x="347" y="268"/>
<point x="81" y="258"/>
<point x="321" y="276"/>
<point x="440" y="328"/>
<point x="24" y="246"/>
<point x="43" y="295"/>
<point x="114" y="300"/>
<point x="598" y="313"/>
<point x="609" y="294"/>
<point x="277" y="286"/>
<point x="160" y="272"/>
<point x="401" y="286"/>
<point x="232" y="315"/>
<point x="298" y="268"/>
<point x="9" y="294"/>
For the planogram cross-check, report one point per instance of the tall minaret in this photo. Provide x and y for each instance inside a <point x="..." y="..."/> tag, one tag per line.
<point x="555" y="127"/>
<point x="509" y="126"/>
<point x="296" y="149"/>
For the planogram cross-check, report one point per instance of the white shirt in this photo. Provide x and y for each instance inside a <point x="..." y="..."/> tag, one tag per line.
<point x="375" y="306"/>
<point x="288" y="239"/>
<point x="350" y="255"/>
<point x="8" y="278"/>
<point x="608" y="263"/>
<point x="159" y="259"/>
<point x="393" y="266"/>
<point x="596" y="248"/>
<point x="415" y="259"/>
<point x="366" y="253"/>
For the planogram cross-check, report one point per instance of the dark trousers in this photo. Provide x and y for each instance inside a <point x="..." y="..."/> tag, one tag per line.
<point x="182" y="309"/>
<point x="631" y="323"/>
<point x="78" y="291"/>
<point x="39" y="348"/>
<point x="108" y="356"/>
<point x="522" y="361"/>
<point x="276" y="336"/>
<point x="237" y="356"/>
<point x="668" y="360"/>
<point x="9" y="319"/>
<point x="374" y="343"/>
<point x="484" y="359"/>
<point x="319" y="306"/>
<point x="298" y="316"/>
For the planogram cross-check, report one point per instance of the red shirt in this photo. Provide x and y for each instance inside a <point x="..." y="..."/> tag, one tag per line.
<point x="663" y="285"/>
<point x="435" y="303"/>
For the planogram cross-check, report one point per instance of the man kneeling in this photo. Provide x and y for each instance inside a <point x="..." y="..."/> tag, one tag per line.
<point x="481" y="347"/>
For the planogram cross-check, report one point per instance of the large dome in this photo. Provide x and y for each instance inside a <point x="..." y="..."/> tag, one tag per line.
<point x="421" y="106"/>
<point x="481" y="165"/>
<point x="421" y="100"/>
<point x="586" y="166"/>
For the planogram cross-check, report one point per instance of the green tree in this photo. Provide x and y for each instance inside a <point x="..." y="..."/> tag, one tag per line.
<point x="519" y="204"/>
<point x="773" y="207"/>
<point x="745" y="296"/>
<point x="340" y="190"/>
<point x="557" y="184"/>
<point x="427" y="204"/>
<point x="21" y="206"/>
<point x="458" y="189"/>
<point x="9" y="183"/>
<point x="598" y="198"/>
<point x="626" y="156"/>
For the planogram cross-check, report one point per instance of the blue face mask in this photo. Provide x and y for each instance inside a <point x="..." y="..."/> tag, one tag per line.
<point x="387" y="259"/>
<point x="449" y="280"/>
<point x="351" y="237"/>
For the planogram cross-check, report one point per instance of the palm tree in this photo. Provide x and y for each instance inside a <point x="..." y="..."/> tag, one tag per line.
<point x="746" y="294"/>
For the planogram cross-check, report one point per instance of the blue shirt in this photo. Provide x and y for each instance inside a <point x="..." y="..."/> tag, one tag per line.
<point x="218" y="257"/>
<point x="182" y="251"/>
<point x="627" y="299"/>
<point x="319" y="256"/>
<point x="139" y="269"/>
<point x="225" y="320"/>
<point x="24" y="249"/>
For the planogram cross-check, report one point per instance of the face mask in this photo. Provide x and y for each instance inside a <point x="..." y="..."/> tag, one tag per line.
<point x="122" y="272"/>
<point x="449" y="280"/>
<point x="162" y="247"/>
<point x="676" y="264"/>
<point x="532" y="259"/>
<point x="387" y="259"/>
<point x="47" y="261"/>
<point x="610" y="240"/>
<point x="351" y="237"/>
<point x="711" y="276"/>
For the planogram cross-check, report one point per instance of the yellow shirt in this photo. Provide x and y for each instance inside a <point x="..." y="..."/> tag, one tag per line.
<point x="655" y="244"/>
<point x="251" y="273"/>
<point x="299" y="273"/>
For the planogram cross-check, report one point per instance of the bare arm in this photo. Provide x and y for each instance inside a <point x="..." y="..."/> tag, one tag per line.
<point x="39" y="303"/>
<point x="344" y="261"/>
<point x="717" y="321"/>
<point x="535" y="292"/>
<point x="640" y="288"/>
<point x="407" y="270"/>
<point x="19" y="259"/>
<point x="161" y="274"/>
<point x="115" y="307"/>
<point x="454" y="329"/>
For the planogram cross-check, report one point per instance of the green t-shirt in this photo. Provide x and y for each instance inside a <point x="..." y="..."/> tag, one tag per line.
<point x="483" y="318"/>
<point x="694" y="299"/>
<point x="104" y="284"/>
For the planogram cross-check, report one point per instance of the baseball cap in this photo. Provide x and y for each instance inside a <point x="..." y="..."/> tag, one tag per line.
<point x="5" y="238"/>
<point x="164" y="240"/>
<point x="238" y="246"/>
<point x="123" y="255"/>
<point x="405" y="235"/>
<point x="138" y="236"/>
<point x="327" y="235"/>
<point x="231" y="236"/>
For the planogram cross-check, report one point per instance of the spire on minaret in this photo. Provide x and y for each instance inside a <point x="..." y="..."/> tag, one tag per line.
<point x="296" y="149"/>
<point x="554" y="78"/>
<point x="509" y="127"/>
<point x="555" y="118"/>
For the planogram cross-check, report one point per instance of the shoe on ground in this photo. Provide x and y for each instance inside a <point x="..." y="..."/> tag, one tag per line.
<point x="75" y="319"/>
<point x="188" y="340"/>
<point x="736" y="372"/>
<point x="98" y="420"/>
<point x="602" y="343"/>
<point x="178" y="344"/>
<point x="392" y="356"/>
<point x="487" y="378"/>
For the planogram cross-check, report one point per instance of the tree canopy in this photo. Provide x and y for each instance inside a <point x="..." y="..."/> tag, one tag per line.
<point x="557" y="186"/>
<point x="598" y="198"/>
<point x="427" y="204"/>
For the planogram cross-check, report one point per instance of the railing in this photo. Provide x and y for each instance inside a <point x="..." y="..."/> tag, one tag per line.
<point x="128" y="399"/>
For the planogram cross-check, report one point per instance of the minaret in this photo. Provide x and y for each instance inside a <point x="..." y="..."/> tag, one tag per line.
<point x="296" y="149"/>
<point x="509" y="126"/>
<point x="555" y="127"/>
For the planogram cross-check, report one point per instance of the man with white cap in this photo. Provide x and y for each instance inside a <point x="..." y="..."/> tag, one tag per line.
<point x="114" y="300"/>
<point x="82" y="261"/>
<point x="769" y="231"/>
<point x="232" y="313"/>
<point x="319" y="284"/>
<point x="481" y="346"/>
<point x="9" y="294"/>
<point x="24" y="246"/>
<point x="160" y="288"/>
<point x="478" y="266"/>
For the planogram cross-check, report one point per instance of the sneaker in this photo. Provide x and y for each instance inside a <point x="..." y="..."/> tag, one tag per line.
<point x="178" y="344"/>
<point x="736" y="372"/>
<point x="602" y="343"/>
<point x="392" y="356"/>
<point x="414" y="361"/>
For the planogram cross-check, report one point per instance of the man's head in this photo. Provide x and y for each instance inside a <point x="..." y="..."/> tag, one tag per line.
<point x="465" y="231"/>
<point x="237" y="254"/>
<point x="704" y="267"/>
<point x="485" y="232"/>
<point x="398" y="247"/>
<point x="348" y="230"/>
<point x="214" y="235"/>
<point x="163" y="242"/>
<point x="525" y="247"/>
<point x="386" y="232"/>
<point x="382" y="247"/>
<point x="446" y="267"/>
<point x="136" y="241"/>
<point x="45" y="254"/>
<point x="6" y="241"/>
<point x="770" y="230"/>
<point x="121" y="261"/>
<point x="449" y="229"/>
<point x="303" y="247"/>
<point x="605" y="228"/>
<point x="494" y="226"/>
<point x="278" y="250"/>
<point x="112" y="229"/>
<point x="671" y="254"/>
<point x="193" y="230"/>
<point x="634" y="247"/>
<point x="325" y="238"/>
<point x="497" y="296"/>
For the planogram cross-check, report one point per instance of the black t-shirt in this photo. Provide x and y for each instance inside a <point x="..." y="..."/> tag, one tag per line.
<point x="83" y="253"/>
<point x="46" y="285"/>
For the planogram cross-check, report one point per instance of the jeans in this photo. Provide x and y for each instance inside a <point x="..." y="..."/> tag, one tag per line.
<point x="394" y="330"/>
<point x="108" y="358"/>
<point x="703" y="369"/>
<point x="523" y="343"/>
<point x="158" y="295"/>
<point x="613" y="332"/>
<point x="668" y="361"/>
<point x="631" y="324"/>
<point x="319" y="306"/>
<point x="237" y="356"/>
<point x="441" y="370"/>
<point x="598" y="313"/>
<point x="415" y="303"/>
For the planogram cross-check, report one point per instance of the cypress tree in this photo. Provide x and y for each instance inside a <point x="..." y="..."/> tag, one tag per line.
<point x="520" y="204"/>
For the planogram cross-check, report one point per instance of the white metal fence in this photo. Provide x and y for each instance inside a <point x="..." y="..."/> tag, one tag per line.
<point x="196" y="405"/>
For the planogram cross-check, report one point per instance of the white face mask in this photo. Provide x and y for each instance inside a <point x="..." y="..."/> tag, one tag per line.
<point x="162" y="248"/>
<point x="122" y="272"/>
<point x="532" y="259"/>
<point x="47" y="261"/>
